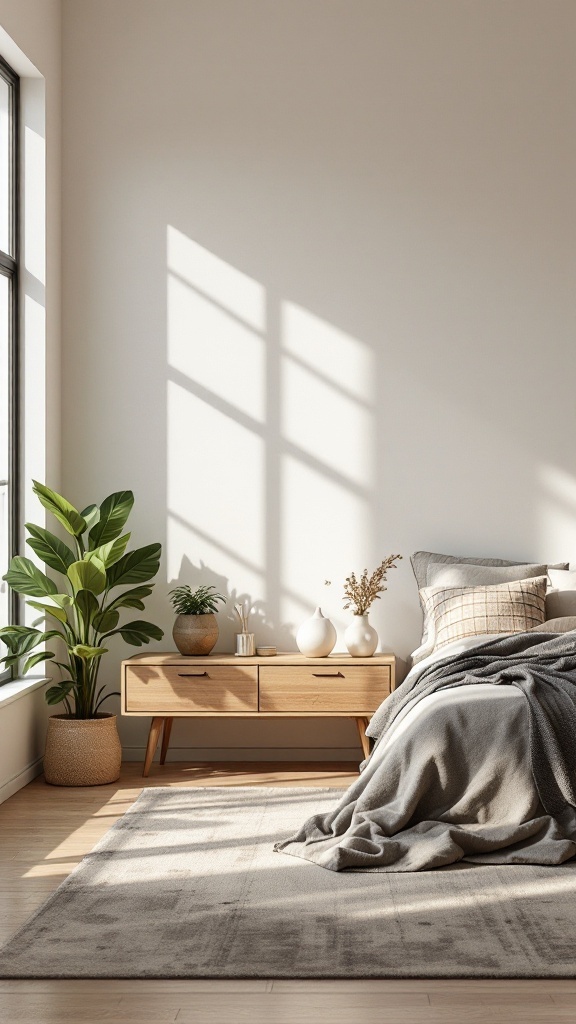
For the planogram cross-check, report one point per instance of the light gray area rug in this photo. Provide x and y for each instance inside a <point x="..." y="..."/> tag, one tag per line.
<point x="186" y="885"/>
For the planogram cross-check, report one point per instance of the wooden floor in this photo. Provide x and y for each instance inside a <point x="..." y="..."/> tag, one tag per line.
<point x="45" y="831"/>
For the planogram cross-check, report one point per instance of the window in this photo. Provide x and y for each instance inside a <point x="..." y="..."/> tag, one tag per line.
<point x="9" y="377"/>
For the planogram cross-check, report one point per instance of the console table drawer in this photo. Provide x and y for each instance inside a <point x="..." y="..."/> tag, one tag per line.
<point x="355" y="689"/>
<point x="189" y="689"/>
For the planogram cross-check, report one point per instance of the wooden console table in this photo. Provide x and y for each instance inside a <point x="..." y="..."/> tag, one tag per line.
<point x="168" y="686"/>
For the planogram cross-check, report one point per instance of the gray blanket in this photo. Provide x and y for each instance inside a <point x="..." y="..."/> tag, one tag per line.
<point x="475" y="759"/>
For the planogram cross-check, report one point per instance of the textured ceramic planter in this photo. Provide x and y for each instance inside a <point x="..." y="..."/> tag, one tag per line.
<point x="195" y="634"/>
<point x="316" y="637"/>
<point x="82" y="752"/>
<point x="361" y="638"/>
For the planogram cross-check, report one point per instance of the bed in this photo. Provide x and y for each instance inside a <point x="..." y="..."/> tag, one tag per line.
<point x="474" y="754"/>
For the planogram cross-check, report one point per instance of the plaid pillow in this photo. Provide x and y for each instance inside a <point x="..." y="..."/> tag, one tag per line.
<point x="457" y="612"/>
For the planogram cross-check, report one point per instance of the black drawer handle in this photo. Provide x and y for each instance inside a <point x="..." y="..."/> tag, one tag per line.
<point x="197" y="675"/>
<point x="328" y="675"/>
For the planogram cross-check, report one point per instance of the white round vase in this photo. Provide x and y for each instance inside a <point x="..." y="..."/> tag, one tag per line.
<point x="316" y="637"/>
<point x="361" y="638"/>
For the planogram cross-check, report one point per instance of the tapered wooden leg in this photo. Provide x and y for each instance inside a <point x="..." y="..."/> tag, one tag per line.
<point x="165" y="738"/>
<point x="362" y="724"/>
<point x="153" y="737"/>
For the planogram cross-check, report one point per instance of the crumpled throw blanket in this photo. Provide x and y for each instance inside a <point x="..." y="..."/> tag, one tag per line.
<point x="475" y="759"/>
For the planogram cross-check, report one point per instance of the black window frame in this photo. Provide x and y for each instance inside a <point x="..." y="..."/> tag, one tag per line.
<point x="10" y="268"/>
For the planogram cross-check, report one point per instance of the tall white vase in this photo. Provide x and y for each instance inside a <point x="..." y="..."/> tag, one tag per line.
<point x="316" y="637"/>
<point x="361" y="638"/>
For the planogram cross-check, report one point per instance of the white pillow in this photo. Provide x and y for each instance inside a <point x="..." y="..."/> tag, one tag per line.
<point x="561" y="598"/>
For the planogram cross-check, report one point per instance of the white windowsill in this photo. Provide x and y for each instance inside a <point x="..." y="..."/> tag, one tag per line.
<point x="18" y="688"/>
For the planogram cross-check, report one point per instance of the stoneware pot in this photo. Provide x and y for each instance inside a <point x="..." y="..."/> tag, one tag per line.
<point x="195" y="634"/>
<point x="361" y="638"/>
<point x="82" y="751"/>
<point x="316" y="637"/>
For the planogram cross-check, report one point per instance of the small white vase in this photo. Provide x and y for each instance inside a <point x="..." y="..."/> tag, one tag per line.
<point x="361" y="638"/>
<point x="316" y="637"/>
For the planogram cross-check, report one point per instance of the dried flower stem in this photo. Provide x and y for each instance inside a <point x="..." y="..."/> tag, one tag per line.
<point x="359" y="594"/>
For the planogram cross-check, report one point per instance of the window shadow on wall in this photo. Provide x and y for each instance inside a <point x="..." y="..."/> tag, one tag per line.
<point x="270" y="443"/>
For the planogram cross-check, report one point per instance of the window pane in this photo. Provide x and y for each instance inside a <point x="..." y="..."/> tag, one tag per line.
<point x="4" y="443"/>
<point x="5" y="91"/>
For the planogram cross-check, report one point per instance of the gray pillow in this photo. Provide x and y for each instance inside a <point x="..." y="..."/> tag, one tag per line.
<point x="561" y="600"/>
<point x="563" y="624"/>
<point x="421" y="559"/>
<point x="458" y="574"/>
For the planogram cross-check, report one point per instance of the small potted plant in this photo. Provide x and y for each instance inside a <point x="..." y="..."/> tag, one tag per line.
<point x="361" y="638"/>
<point x="82" y="745"/>
<point x="196" y="627"/>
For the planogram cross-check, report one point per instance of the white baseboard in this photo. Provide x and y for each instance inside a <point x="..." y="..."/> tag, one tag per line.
<point x="204" y="754"/>
<point x="21" y="779"/>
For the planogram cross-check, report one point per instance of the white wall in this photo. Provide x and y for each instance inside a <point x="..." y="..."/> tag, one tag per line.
<point x="319" y="271"/>
<point x="30" y="37"/>
<point x="23" y="717"/>
<point x="30" y="40"/>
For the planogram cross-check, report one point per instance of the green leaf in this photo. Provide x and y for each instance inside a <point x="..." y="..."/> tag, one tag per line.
<point x="115" y="693"/>
<point x="88" y="576"/>
<point x="21" y="633"/>
<point x="65" y="667"/>
<point x="56" y="694"/>
<point x="90" y="515"/>
<point x="20" y="640"/>
<point x="131" y="598"/>
<point x="106" y="621"/>
<point x="109" y="553"/>
<point x="87" y="605"/>
<point x="14" y="636"/>
<point x="49" y="548"/>
<point x="35" y="659"/>
<point x="136" y="566"/>
<point x="139" y="632"/>
<point x="114" y="512"/>
<point x="87" y="653"/>
<point x="14" y="629"/>
<point x="25" y="578"/>
<point x="10" y="660"/>
<point x="49" y="609"/>
<point x="65" y="513"/>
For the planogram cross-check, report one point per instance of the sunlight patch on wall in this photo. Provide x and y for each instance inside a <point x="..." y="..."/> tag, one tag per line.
<point x="234" y="291"/>
<point x="328" y="431"/>
<point x="35" y="204"/>
<point x="326" y="534"/>
<point x="216" y="408"/>
<point x="338" y="357"/>
<point x="198" y="558"/>
<point x="214" y="485"/>
<point x="219" y="354"/>
<point x="215" y="316"/>
<point x="326" y="384"/>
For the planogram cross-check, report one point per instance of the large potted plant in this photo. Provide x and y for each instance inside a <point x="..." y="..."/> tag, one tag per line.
<point x="82" y="745"/>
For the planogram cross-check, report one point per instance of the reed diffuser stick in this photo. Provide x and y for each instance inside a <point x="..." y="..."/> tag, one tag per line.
<point x="242" y="611"/>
